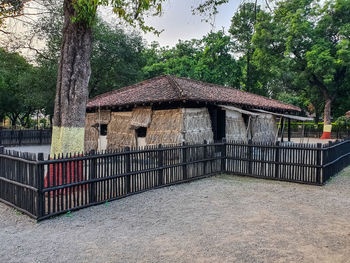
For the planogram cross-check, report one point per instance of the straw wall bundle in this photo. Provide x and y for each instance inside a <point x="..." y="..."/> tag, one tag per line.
<point x="141" y="117"/>
<point x="236" y="129"/>
<point x="263" y="128"/>
<point x="197" y="125"/>
<point x="165" y="127"/>
<point x="119" y="132"/>
<point x="92" y="121"/>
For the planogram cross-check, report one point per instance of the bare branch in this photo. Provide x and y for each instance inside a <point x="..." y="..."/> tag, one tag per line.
<point x="24" y="14"/>
<point x="4" y="32"/>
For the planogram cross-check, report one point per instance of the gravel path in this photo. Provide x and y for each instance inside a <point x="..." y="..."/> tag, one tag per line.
<point x="219" y="219"/>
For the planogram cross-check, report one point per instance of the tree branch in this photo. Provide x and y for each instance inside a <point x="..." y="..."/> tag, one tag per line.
<point x="4" y="32"/>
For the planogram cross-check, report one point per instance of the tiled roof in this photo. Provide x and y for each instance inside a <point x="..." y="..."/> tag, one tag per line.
<point x="170" y="88"/>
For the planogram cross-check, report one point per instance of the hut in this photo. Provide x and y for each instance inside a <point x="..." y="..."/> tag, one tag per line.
<point x="171" y="110"/>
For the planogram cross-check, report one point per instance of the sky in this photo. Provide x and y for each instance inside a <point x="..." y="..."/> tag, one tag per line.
<point x="179" y="23"/>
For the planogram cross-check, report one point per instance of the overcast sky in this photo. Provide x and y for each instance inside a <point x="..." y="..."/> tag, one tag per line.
<point x="179" y="23"/>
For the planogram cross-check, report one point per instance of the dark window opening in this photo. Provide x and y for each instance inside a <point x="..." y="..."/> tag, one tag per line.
<point x="103" y="130"/>
<point x="218" y="122"/>
<point x="221" y="124"/>
<point x="246" y="119"/>
<point x="141" y="132"/>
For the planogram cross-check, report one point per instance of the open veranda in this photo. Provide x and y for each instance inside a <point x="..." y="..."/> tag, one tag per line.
<point x="217" y="219"/>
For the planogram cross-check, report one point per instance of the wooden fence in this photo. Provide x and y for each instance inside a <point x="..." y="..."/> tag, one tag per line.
<point x="44" y="188"/>
<point x="336" y="134"/>
<point x="24" y="137"/>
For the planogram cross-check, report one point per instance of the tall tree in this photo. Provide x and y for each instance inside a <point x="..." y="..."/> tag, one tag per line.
<point x="309" y="42"/>
<point x="242" y="30"/>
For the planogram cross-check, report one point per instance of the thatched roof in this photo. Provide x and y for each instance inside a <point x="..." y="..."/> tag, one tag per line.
<point x="176" y="89"/>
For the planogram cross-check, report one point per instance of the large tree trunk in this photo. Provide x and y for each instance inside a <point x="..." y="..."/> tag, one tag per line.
<point x="72" y="85"/>
<point x="327" y="123"/>
<point x="327" y="112"/>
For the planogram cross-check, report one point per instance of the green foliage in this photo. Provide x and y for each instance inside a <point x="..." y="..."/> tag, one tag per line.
<point x="208" y="59"/>
<point x="116" y="59"/>
<point x="304" y="43"/>
<point x="343" y="123"/>
<point x="242" y="29"/>
<point x="15" y="98"/>
<point x="243" y="26"/>
<point x="86" y="11"/>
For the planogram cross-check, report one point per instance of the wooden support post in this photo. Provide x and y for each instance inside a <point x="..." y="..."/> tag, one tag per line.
<point x="277" y="159"/>
<point x="319" y="163"/>
<point x="160" y="165"/>
<point x="289" y="130"/>
<point x="41" y="136"/>
<point x="223" y="155"/>
<point x="282" y="128"/>
<point x="40" y="185"/>
<point x="127" y="170"/>
<point x="20" y="135"/>
<point x="93" y="174"/>
<point x="250" y="157"/>
<point x="205" y="156"/>
<point x="184" y="161"/>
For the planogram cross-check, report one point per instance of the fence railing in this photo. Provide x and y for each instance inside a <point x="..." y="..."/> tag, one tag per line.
<point x="44" y="188"/>
<point x="24" y="137"/>
<point x="336" y="134"/>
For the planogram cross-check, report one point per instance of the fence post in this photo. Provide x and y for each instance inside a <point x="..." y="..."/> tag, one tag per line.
<point x="41" y="136"/>
<point x="250" y="157"/>
<point x="40" y="178"/>
<point x="289" y="130"/>
<point x="319" y="163"/>
<point x="184" y="161"/>
<point x="160" y="165"/>
<point x="1" y="136"/>
<point x="223" y="155"/>
<point x="205" y="156"/>
<point x="20" y="135"/>
<point x="277" y="159"/>
<point x="128" y="169"/>
<point x="93" y="186"/>
<point x="2" y="149"/>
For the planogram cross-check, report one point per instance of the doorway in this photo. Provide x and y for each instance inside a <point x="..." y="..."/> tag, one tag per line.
<point x="218" y="122"/>
<point x="102" y="139"/>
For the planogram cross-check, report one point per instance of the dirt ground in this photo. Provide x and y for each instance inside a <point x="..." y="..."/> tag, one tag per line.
<point x="219" y="219"/>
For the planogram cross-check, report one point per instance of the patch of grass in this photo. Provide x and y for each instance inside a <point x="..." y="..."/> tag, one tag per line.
<point x="19" y="213"/>
<point x="346" y="171"/>
<point x="68" y="214"/>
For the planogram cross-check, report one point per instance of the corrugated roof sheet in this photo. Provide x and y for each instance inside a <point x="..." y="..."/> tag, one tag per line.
<point x="170" y="88"/>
